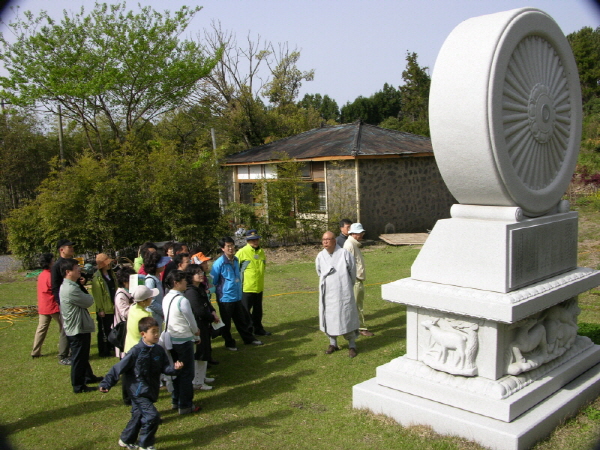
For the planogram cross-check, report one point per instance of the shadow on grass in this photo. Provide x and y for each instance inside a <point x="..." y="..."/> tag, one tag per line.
<point x="245" y="396"/>
<point x="254" y="363"/>
<point x="44" y="417"/>
<point x="392" y="331"/>
<point x="197" y="437"/>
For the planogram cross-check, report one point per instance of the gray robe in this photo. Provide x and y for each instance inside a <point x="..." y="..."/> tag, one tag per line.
<point x="337" y="307"/>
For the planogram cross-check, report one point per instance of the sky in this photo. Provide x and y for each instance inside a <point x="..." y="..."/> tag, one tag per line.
<point x="354" y="46"/>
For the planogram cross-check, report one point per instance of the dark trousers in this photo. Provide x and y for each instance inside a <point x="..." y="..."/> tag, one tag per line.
<point x="81" y="371"/>
<point x="204" y="349"/>
<point x="253" y="301"/>
<point x="183" y="389"/>
<point x="144" y="422"/>
<point x="104" y="326"/>
<point x="241" y="319"/>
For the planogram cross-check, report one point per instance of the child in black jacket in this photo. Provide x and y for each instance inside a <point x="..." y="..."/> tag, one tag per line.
<point x="141" y="368"/>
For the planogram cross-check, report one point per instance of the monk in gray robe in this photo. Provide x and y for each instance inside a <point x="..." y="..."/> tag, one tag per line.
<point x="338" y="315"/>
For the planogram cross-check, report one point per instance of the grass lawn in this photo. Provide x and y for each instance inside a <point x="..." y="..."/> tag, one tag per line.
<point x="286" y="394"/>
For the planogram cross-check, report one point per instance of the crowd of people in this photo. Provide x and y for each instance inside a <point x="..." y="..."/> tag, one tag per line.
<point x="163" y="305"/>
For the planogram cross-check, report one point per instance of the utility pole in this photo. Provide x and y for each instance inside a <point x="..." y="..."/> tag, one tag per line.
<point x="218" y="169"/>
<point x="60" y="137"/>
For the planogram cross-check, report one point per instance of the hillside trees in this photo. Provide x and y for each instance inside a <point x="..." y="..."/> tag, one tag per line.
<point x="585" y="44"/>
<point x="25" y="154"/>
<point x="146" y="168"/>
<point x="143" y="171"/>
<point x="111" y="68"/>
<point x="111" y="203"/>
<point x="374" y="109"/>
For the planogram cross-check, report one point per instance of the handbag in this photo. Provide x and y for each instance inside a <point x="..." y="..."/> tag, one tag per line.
<point x="165" y="337"/>
<point x="116" y="337"/>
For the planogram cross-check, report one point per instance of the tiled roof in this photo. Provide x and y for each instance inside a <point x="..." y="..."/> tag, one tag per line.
<point x="337" y="142"/>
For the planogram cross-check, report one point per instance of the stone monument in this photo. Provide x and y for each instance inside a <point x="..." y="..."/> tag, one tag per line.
<point x="493" y="353"/>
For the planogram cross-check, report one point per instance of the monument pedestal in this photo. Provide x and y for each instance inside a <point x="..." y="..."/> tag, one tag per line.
<point x="504" y="399"/>
<point x="520" y="434"/>
<point x="501" y="366"/>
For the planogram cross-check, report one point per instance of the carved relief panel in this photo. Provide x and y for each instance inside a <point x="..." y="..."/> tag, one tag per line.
<point x="541" y="337"/>
<point x="450" y="343"/>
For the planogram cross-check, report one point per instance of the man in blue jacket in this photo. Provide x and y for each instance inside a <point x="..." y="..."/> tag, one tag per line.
<point x="228" y="286"/>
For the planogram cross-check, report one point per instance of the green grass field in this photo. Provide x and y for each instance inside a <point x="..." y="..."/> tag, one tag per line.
<point x="286" y="394"/>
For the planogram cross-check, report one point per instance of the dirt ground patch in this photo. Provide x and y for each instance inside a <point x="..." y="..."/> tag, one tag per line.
<point x="305" y="253"/>
<point x="293" y="253"/>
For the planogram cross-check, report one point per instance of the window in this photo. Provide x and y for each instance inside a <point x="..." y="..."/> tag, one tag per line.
<point x="312" y="197"/>
<point x="253" y="172"/>
<point x="246" y="196"/>
<point x="256" y="172"/>
<point x="320" y="187"/>
<point x="305" y="171"/>
<point x="318" y="170"/>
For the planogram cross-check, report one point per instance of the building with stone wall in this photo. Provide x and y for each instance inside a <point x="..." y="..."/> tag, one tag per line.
<point x="388" y="180"/>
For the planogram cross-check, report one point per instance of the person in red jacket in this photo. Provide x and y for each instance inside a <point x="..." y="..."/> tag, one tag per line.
<point x="48" y="309"/>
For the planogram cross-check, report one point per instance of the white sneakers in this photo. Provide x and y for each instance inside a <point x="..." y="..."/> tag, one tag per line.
<point x="128" y="446"/>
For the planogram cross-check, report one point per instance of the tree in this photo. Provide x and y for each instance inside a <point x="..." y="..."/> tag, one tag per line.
<point x="111" y="67"/>
<point x="361" y="108"/>
<point x="128" y="198"/>
<point x="286" y="78"/>
<point x="187" y="127"/>
<point x="325" y="105"/>
<point x="374" y="109"/>
<point x="287" y="204"/>
<point x="252" y="90"/>
<point x="184" y="194"/>
<point x="232" y="88"/>
<point x="25" y="154"/>
<point x="415" y="97"/>
<point x="290" y="120"/>
<point x="387" y="102"/>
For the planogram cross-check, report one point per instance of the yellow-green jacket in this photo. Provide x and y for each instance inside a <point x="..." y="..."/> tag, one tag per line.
<point x="101" y="293"/>
<point x="252" y="268"/>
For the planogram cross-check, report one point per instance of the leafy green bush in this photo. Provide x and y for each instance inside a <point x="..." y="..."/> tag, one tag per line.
<point x="125" y="199"/>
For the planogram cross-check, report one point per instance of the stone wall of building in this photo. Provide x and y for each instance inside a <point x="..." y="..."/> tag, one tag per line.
<point x="405" y="195"/>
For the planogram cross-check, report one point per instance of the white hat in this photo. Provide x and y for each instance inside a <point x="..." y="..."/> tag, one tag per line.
<point x="356" y="228"/>
<point x="142" y="293"/>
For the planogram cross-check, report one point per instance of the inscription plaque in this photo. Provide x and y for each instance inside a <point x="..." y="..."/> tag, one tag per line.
<point x="541" y="251"/>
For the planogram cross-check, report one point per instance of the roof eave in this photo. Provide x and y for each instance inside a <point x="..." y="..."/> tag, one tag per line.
<point x="334" y="158"/>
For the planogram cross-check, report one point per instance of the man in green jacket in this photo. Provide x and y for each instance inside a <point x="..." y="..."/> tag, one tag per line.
<point x="104" y="288"/>
<point x="252" y="268"/>
<point x="78" y="325"/>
